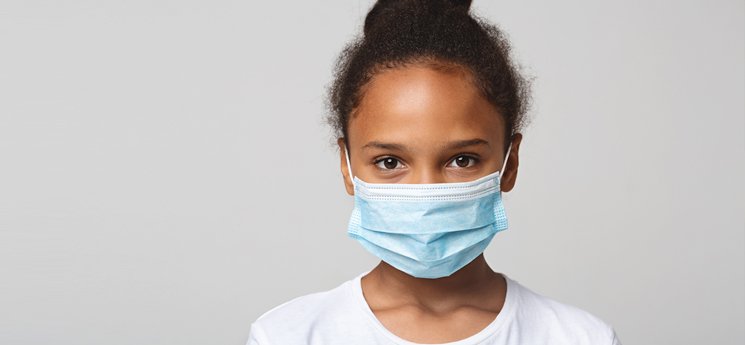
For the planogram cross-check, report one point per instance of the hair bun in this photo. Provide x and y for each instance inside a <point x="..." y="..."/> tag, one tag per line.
<point x="463" y="5"/>
<point x="382" y="8"/>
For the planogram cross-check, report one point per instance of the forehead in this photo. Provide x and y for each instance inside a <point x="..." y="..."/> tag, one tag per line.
<point x="424" y="104"/>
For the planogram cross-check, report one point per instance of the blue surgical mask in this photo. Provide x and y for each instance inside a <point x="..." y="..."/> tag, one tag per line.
<point x="427" y="230"/>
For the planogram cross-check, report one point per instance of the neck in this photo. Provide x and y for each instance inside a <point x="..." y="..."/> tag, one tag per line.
<point x="474" y="279"/>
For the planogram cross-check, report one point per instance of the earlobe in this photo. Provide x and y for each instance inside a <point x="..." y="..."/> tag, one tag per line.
<point x="344" y="170"/>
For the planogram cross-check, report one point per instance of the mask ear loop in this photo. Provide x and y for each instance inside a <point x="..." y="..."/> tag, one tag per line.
<point x="349" y="166"/>
<point x="504" y="165"/>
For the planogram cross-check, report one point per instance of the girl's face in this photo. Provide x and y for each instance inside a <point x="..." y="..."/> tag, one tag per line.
<point x="420" y="125"/>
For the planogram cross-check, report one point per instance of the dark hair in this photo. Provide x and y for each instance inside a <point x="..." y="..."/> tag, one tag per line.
<point x="438" y="33"/>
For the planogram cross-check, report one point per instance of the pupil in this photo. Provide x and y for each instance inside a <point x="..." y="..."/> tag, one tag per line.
<point x="462" y="161"/>
<point x="390" y="163"/>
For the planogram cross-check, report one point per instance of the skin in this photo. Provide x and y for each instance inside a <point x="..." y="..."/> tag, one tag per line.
<point x="415" y="125"/>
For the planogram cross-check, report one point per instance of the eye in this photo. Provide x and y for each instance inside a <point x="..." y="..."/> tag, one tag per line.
<point x="389" y="163"/>
<point x="463" y="162"/>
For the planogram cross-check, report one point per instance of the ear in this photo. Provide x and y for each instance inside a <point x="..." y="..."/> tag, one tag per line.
<point x="344" y="170"/>
<point x="513" y="161"/>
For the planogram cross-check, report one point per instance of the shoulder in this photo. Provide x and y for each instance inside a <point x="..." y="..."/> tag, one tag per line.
<point x="556" y="320"/>
<point x="296" y="320"/>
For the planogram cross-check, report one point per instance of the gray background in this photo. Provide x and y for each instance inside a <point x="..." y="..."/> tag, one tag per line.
<point x="166" y="177"/>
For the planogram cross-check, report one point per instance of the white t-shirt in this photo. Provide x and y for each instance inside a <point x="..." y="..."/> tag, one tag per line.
<point x="342" y="316"/>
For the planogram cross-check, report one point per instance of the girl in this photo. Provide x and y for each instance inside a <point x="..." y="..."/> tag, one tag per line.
<point x="428" y="108"/>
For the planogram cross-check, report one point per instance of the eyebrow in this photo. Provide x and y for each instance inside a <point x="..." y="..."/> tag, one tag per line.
<point x="385" y="146"/>
<point x="451" y="146"/>
<point x="465" y="143"/>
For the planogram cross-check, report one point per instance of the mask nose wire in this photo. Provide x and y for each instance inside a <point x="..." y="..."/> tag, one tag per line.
<point x="504" y="165"/>
<point x="349" y="166"/>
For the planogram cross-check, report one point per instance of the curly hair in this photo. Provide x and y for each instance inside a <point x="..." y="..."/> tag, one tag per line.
<point x="435" y="33"/>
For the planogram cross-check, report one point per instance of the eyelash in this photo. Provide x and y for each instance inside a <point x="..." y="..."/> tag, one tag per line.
<point x="381" y="159"/>
<point x="473" y="159"/>
<point x="473" y="162"/>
